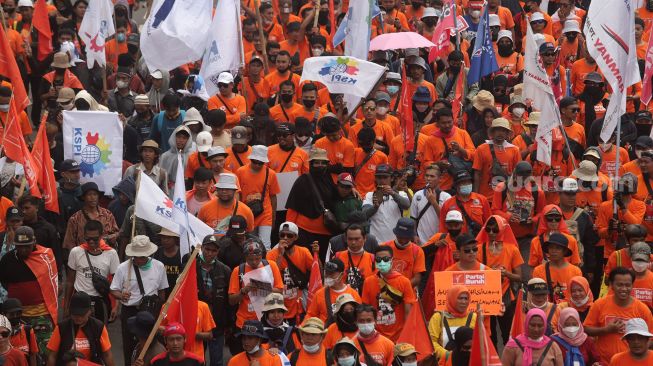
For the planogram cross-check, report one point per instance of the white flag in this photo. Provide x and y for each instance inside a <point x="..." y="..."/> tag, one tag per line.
<point x="610" y="34"/>
<point x="94" y="140"/>
<point x="96" y="27"/>
<point x="175" y="33"/>
<point x="153" y="205"/>
<point x="224" y="47"/>
<point x="342" y="74"/>
<point x="180" y="211"/>
<point x="537" y="87"/>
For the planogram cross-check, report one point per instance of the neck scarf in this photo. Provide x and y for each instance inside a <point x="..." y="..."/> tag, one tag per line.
<point x="439" y="133"/>
<point x="571" y="344"/>
<point x="452" y="299"/>
<point x="529" y="344"/>
<point x="580" y="281"/>
<point x="505" y="234"/>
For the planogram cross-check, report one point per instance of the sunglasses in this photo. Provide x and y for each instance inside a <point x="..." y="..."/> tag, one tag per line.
<point x="538" y="22"/>
<point x="549" y="54"/>
<point x="471" y="250"/>
<point x="383" y="259"/>
<point x="489" y="229"/>
<point x="5" y="334"/>
<point x="286" y="235"/>
<point x="222" y="85"/>
<point x="370" y="108"/>
<point x="553" y="218"/>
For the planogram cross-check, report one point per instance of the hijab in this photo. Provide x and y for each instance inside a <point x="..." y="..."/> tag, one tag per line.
<point x="543" y="228"/>
<point x="573" y="355"/>
<point x="581" y="281"/>
<point x="452" y="298"/>
<point x="505" y="232"/>
<point x="530" y="344"/>
<point x="461" y="336"/>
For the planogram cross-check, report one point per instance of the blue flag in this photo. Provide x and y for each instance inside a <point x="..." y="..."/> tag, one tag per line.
<point x="359" y="14"/>
<point x="483" y="61"/>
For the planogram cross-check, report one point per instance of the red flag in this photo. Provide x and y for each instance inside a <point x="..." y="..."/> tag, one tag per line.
<point x="442" y="259"/>
<point x="315" y="281"/>
<point x="518" y="318"/>
<point x="183" y="307"/>
<point x="406" y="112"/>
<point x="648" y="73"/>
<point x="41" y="22"/>
<point x="41" y="155"/>
<point x="16" y="149"/>
<point x="457" y="103"/>
<point x="483" y="352"/>
<point x="441" y="33"/>
<point x="332" y="18"/>
<point x="9" y="69"/>
<point x="416" y="333"/>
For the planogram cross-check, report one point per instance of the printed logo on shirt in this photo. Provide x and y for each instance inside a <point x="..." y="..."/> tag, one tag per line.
<point x="468" y="279"/>
<point x="82" y="343"/>
<point x="386" y="314"/>
<point x="644" y="295"/>
<point x="339" y="155"/>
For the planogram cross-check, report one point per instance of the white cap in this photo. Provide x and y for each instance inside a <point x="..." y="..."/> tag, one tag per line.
<point x="539" y="39"/>
<point x="289" y="226"/>
<point x="26" y="3"/>
<point x="454" y="216"/>
<point x="156" y="74"/>
<point x="259" y="153"/>
<point x="569" y="185"/>
<point x="225" y="78"/>
<point x="204" y="140"/>
<point x="571" y="26"/>
<point x="429" y="12"/>
<point x="536" y="16"/>
<point x="504" y="33"/>
<point x="226" y="181"/>
<point x="216" y="150"/>
<point x="637" y="326"/>
<point x="494" y="20"/>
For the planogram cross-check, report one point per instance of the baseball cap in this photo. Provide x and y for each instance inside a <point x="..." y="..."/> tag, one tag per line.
<point x="204" y="141"/>
<point x="290" y="227"/>
<point x="569" y="185"/>
<point x="464" y="239"/>
<point x="216" y="150"/>
<point x="24" y="235"/>
<point x="644" y="114"/>
<point x="346" y="179"/>
<point x="335" y="265"/>
<point x="461" y="176"/>
<point x="174" y="329"/>
<point x="210" y="240"/>
<point x="239" y="135"/>
<point x="69" y="165"/>
<point x="286" y="128"/>
<point x="13" y="213"/>
<point x="640" y="251"/>
<point x="225" y="78"/>
<point x="237" y="225"/>
<point x="537" y="286"/>
<point x="156" y="74"/>
<point x="383" y="169"/>
<point x="404" y="349"/>
<point x="454" y="216"/>
<point x="644" y="141"/>
<point x="80" y="303"/>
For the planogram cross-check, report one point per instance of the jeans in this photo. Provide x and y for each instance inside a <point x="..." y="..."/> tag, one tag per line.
<point x="264" y="233"/>
<point x="216" y="347"/>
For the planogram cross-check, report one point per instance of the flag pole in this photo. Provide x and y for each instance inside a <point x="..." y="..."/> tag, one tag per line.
<point x="317" y="15"/>
<point x="455" y="25"/>
<point x="164" y="309"/>
<point x="138" y="183"/>
<point x="264" y="42"/>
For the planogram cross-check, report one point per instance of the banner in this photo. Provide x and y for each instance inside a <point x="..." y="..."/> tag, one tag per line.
<point x="175" y="33"/>
<point x="153" y="205"/>
<point x="96" y="27"/>
<point x="484" y="288"/>
<point x="43" y="164"/>
<point x="262" y="280"/>
<point x="183" y="307"/>
<point x="610" y="34"/>
<point x="9" y="69"/>
<point x="224" y="47"/>
<point x="647" y="83"/>
<point x="441" y="34"/>
<point x="41" y="22"/>
<point x="483" y="61"/>
<point x="180" y="211"/>
<point x="94" y="140"/>
<point x="342" y="74"/>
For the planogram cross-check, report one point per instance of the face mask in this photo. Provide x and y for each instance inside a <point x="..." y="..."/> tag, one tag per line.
<point x="392" y="89"/>
<point x="639" y="266"/>
<point x="581" y="302"/>
<point x="121" y="84"/>
<point x="147" y="265"/>
<point x="68" y="107"/>
<point x="454" y="69"/>
<point x="465" y="189"/>
<point x="120" y="37"/>
<point x="421" y="107"/>
<point x="505" y="50"/>
<point x="4" y="107"/>
<point x="605" y="146"/>
<point x="317" y="171"/>
<point x="308" y="103"/>
<point x="381" y="110"/>
<point x="346" y="361"/>
<point x="317" y="51"/>
<point x="409" y="363"/>
<point x="253" y="350"/>
<point x="366" y="329"/>
<point x="329" y="282"/>
<point x="384" y="267"/>
<point x="286" y="98"/>
<point x="571" y="36"/>
<point x="454" y="233"/>
<point x="518" y="112"/>
<point x="311" y="349"/>
<point x="570" y="331"/>
<point x="475" y="14"/>
<point x="429" y="22"/>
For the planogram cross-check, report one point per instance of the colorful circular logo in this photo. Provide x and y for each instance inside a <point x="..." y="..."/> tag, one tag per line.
<point x="95" y="155"/>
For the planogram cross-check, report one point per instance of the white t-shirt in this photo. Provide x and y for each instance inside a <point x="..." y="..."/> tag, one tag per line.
<point x="429" y="224"/>
<point x="154" y="280"/>
<point x="104" y="264"/>
<point x="385" y="218"/>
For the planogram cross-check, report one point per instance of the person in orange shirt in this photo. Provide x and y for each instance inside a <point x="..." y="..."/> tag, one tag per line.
<point x="556" y="72"/>
<point x="641" y="45"/>
<point x="359" y="263"/>
<point x="249" y="29"/>
<point x="233" y="105"/>
<point x="25" y="125"/>
<point x="238" y="153"/>
<point x="637" y="335"/>
<point x="340" y="150"/>
<point x="345" y="321"/>
<point x="408" y="258"/>
<point x="324" y="300"/>
<point x="383" y="132"/>
<point x="273" y="29"/>
<point x="551" y="222"/>
<point x="310" y="109"/>
<point x="116" y="46"/>
<point x="366" y="159"/>
<point x="473" y="206"/>
<point x="394" y="20"/>
<point x="608" y="151"/>
<point x="390" y="293"/>
<point x="416" y="69"/>
<point x="378" y="348"/>
<point x="312" y="351"/>
<point x="572" y="46"/>
<point x="259" y="189"/>
<point x="215" y="212"/>
<point x="510" y="62"/>
<point x="257" y="89"/>
<point x="640" y="253"/>
<point x="579" y="71"/>
<point x="284" y="156"/>
<point x="637" y="167"/>
<point x="557" y="272"/>
<point x="296" y="44"/>
<point x="282" y="334"/>
<point x="505" y="16"/>
<point x="494" y="160"/>
<point x="575" y="132"/>
<point x="282" y="72"/>
<point x="287" y="110"/>
<point x="250" y="348"/>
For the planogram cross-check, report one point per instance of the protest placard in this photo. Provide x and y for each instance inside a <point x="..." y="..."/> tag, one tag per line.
<point x="484" y="288"/>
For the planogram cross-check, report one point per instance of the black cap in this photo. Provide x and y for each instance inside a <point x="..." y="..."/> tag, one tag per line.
<point x="461" y="175"/>
<point x="405" y="228"/>
<point x="11" y="305"/>
<point x="69" y="165"/>
<point x="594" y="77"/>
<point x="464" y="239"/>
<point x="287" y="128"/>
<point x="24" y="235"/>
<point x="90" y="186"/>
<point x="538" y="288"/>
<point x="547" y="46"/>
<point x="644" y="141"/>
<point x="383" y="169"/>
<point x="559" y="240"/>
<point x="335" y="265"/>
<point x="141" y="324"/>
<point x="80" y="303"/>
<point x="643" y="114"/>
<point x="252" y="328"/>
<point x="210" y="240"/>
<point x="523" y="169"/>
<point x="13" y="213"/>
<point x="237" y="225"/>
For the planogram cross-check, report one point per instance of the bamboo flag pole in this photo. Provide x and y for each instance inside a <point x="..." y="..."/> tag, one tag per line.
<point x="264" y="41"/>
<point x="317" y="14"/>
<point x="164" y="310"/>
<point x="138" y="183"/>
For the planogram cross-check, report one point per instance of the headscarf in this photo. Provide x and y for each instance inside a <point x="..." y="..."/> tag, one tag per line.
<point x="93" y="104"/>
<point x="452" y="299"/>
<point x="573" y="355"/>
<point x="529" y="344"/>
<point x="461" y="336"/>
<point x="581" y="281"/>
<point x="303" y="199"/>
<point x="505" y="232"/>
<point x="542" y="227"/>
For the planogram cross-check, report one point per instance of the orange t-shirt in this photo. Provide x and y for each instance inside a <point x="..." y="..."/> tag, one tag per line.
<point x="412" y="87"/>
<point x="477" y="207"/>
<point x="576" y="132"/>
<point x="245" y="307"/>
<point x="292" y="295"/>
<point x="642" y="288"/>
<point x="507" y="156"/>
<point x="509" y="258"/>
<point x="280" y="114"/>
<point x="633" y="215"/>
<point x="381" y="350"/>
<point x="609" y="159"/>
<point x="560" y="278"/>
<point x="632" y="167"/>
<point x="205" y="323"/>
<point x="260" y="92"/>
<point x="232" y="164"/>
<point x="275" y="80"/>
<point x="298" y="161"/>
<point x="537" y="255"/>
<point x="82" y="344"/>
<point x="505" y="17"/>
<point x="212" y="213"/>
<point x="390" y="318"/>
<point x="522" y="200"/>
<point x="251" y="188"/>
<point x="195" y="161"/>
<point x="341" y="151"/>
<point x="334" y="334"/>
<point x="393" y="122"/>
<point x="408" y="261"/>
<point x="315" y="225"/>
<point x="233" y="107"/>
<point x="312" y="115"/>
<point x="398" y="155"/>
<point x="364" y="179"/>
<point x="25" y="126"/>
<point x="382" y="131"/>
<point x="243" y="359"/>
<point x="512" y="64"/>
<point x="318" y="307"/>
<point x="20" y="342"/>
<point x="604" y="311"/>
<point x="625" y="358"/>
<point x="114" y="49"/>
<point x="362" y="262"/>
<point x="579" y="70"/>
<point x="591" y="200"/>
<point x="436" y="151"/>
<point x="301" y="49"/>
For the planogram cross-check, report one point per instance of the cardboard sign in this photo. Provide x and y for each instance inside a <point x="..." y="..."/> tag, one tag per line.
<point x="484" y="288"/>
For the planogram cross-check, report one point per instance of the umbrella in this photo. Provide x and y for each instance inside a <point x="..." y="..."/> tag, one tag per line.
<point x="400" y="40"/>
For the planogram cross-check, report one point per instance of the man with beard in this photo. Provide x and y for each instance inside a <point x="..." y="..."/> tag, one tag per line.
<point x="509" y="61"/>
<point x="345" y="321"/>
<point x="382" y="132"/>
<point x="282" y="73"/>
<point x="366" y="158"/>
<point x="282" y="336"/>
<point x="142" y="120"/>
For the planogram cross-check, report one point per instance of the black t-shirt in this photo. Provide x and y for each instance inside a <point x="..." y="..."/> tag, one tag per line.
<point x="14" y="270"/>
<point x="189" y="359"/>
<point x="173" y="267"/>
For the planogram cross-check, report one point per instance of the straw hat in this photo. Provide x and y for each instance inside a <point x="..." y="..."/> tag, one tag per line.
<point x="484" y="99"/>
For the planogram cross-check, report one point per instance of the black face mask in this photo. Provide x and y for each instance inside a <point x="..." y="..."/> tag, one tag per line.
<point x="308" y="103"/>
<point x="571" y="36"/>
<point x="318" y="170"/>
<point x="283" y="71"/>
<point x="272" y="58"/>
<point x="323" y="18"/>
<point x="286" y="98"/>
<point x="527" y="8"/>
<point x="454" y="233"/>
<point x="430" y="22"/>
<point x="505" y="50"/>
<point x="346" y="321"/>
<point x="454" y="69"/>
<point x="594" y="92"/>
<point x="503" y="99"/>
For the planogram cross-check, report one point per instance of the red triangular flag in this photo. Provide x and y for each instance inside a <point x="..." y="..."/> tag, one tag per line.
<point x="43" y="162"/>
<point x="16" y="149"/>
<point x="41" y="22"/>
<point x="406" y="112"/>
<point x="441" y="33"/>
<point x="9" y="69"/>
<point x="416" y="333"/>
<point x="483" y="352"/>
<point x="518" y="318"/>
<point x="442" y="259"/>
<point x="315" y="281"/>
<point x="183" y="307"/>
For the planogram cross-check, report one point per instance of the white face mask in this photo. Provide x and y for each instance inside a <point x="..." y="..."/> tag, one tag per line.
<point x="121" y="84"/>
<point x="570" y="331"/>
<point x="381" y="111"/>
<point x="581" y="302"/>
<point x="311" y="349"/>
<point x="409" y="363"/>
<point x="68" y="107"/>
<point x="605" y="146"/>
<point x="640" y="266"/>
<point x="638" y="153"/>
<point x="346" y="361"/>
<point x="365" y="329"/>
<point x="536" y="339"/>
<point x="475" y="14"/>
<point x="4" y="107"/>
<point x="253" y="350"/>
<point x="518" y="111"/>
<point x="329" y="282"/>
<point x="317" y="51"/>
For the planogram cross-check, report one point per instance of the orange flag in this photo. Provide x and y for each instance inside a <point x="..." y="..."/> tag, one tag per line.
<point x="483" y="352"/>
<point x="518" y="318"/>
<point x="41" y="155"/>
<point x="315" y="281"/>
<point x="406" y="111"/>
<point x="41" y="22"/>
<point x="9" y="69"/>
<point x="16" y="149"/>
<point x="183" y="307"/>
<point x="457" y="103"/>
<point x="416" y="333"/>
